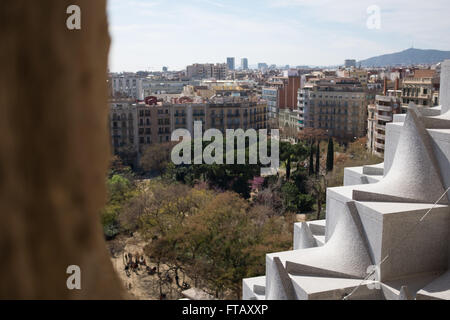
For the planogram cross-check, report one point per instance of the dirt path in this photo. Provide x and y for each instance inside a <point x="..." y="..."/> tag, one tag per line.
<point x="141" y="286"/>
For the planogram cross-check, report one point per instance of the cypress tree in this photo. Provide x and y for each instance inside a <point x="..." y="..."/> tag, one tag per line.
<point x="318" y="158"/>
<point x="311" y="159"/>
<point x="330" y="155"/>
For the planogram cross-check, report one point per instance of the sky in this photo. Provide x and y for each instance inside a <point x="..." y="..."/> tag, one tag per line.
<point x="150" y="34"/>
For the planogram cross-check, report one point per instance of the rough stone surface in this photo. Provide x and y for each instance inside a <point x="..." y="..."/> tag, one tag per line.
<point x="439" y="289"/>
<point x="54" y="151"/>
<point x="392" y="222"/>
<point x="345" y="254"/>
<point x="415" y="174"/>
<point x="305" y="238"/>
<point x="444" y="92"/>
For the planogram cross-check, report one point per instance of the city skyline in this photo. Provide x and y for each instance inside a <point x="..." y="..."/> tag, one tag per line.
<point x="150" y="34"/>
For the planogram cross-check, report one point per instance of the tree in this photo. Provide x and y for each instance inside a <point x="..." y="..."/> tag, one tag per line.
<point x="318" y="186"/>
<point x="116" y="166"/>
<point x="233" y="177"/>
<point x="290" y="194"/>
<point x="318" y="159"/>
<point x="156" y="157"/>
<point x="128" y="155"/>
<point x="271" y="196"/>
<point x="311" y="159"/>
<point x="290" y="153"/>
<point x="355" y="155"/>
<point x="309" y="134"/>
<point x="227" y="233"/>
<point x="330" y="155"/>
<point x="120" y="190"/>
<point x="214" y="238"/>
<point x="286" y="153"/>
<point x="162" y="221"/>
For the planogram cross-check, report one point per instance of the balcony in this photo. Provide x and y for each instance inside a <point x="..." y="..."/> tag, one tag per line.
<point x="383" y="98"/>
<point x="380" y="127"/>
<point x="380" y="136"/>
<point x="384" y="108"/>
<point x="384" y="118"/>
<point x="379" y="145"/>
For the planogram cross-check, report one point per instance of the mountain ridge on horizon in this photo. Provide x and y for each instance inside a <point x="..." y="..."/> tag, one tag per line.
<point x="411" y="56"/>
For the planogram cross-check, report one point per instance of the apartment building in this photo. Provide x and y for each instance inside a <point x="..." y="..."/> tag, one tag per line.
<point x="288" y="124"/>
<point x="221" y="88"/>
<point x="262" y="66"/>
<point x="207" y="71"/>
<point x="361" y="74"/>
<point x="244" y="64"/>
<point x="272" y="95"/>
<point x="350" y="63"/>
<point x="280" y="92"/>
<point x="126" y="85"/>
<point x="231" y="63"/>
<point x="135" y="126"/>
<point x="422" y="88"/>
<point x="381" y="113"/>
<point x="336" y="105"/>
<point x="154" y="87"/>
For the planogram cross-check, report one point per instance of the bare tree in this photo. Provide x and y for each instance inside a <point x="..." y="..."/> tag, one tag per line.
<point x="156" y="157"/>
<point x="318" y="186"/>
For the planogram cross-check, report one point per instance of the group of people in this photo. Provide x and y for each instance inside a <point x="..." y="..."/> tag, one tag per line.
<point x="135" y="263"/>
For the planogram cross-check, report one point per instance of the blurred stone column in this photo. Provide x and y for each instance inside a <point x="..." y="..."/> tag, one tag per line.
<point x="444" y="92"/>
<point x="54" y="150"/>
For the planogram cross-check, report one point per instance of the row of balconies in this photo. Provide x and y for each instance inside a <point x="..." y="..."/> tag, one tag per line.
<point x="421" y="96"/>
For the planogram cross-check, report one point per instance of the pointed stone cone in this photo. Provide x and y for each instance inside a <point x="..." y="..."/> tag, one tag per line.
<point x="306" y="238"/>
<point x="344" y="255"/>
<point x="278" y="282"/>
<point x="415" y="175"/>
<point x="286" y="281"/>
<point x="404" y="294"/>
